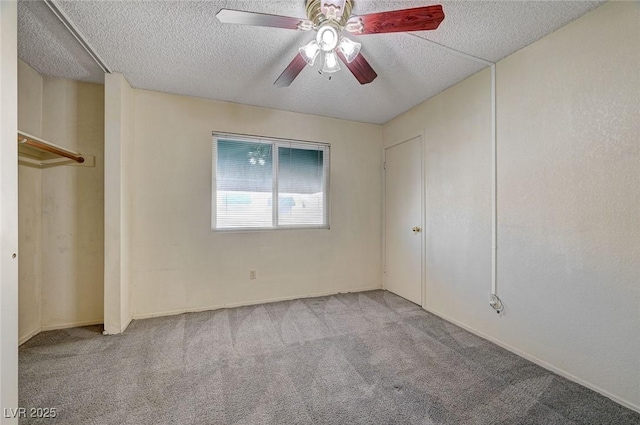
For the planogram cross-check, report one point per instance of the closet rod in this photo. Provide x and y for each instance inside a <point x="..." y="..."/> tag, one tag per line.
<point x="27" y="139"/>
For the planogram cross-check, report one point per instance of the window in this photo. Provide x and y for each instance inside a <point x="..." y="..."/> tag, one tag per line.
<point x="249" y="173"/>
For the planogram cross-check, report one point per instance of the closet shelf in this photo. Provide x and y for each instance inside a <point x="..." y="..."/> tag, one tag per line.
<point x="36" y="152"/>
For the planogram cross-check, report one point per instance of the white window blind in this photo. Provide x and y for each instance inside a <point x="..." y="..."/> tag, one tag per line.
<point x="249" y="173"/>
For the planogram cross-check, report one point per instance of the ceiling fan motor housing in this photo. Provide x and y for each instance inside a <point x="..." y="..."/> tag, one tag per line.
<point x="316" y="14"/>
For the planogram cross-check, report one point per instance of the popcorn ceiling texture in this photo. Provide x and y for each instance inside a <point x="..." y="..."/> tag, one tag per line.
<point x="49" y="48"/>
<point x="180" y="47"/>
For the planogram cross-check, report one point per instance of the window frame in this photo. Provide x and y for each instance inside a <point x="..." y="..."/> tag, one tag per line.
<point x="275" y="143"/>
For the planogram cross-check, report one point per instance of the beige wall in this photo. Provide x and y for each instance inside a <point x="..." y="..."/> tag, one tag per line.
<point x="29" y="207"/>
<point x="72" y="206"/>
<point x="179" y="264"/>
<point x="30" y="245"/>
<point x="118" y="196"/>
<point x="127" y="204"/>
<point x="61" y="208"/>
<point x="568" y="200"/>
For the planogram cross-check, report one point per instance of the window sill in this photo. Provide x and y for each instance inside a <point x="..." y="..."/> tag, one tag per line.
<point x="269" y="229"/>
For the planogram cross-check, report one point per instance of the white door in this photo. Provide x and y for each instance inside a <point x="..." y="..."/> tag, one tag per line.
<point x="403" y="219"/>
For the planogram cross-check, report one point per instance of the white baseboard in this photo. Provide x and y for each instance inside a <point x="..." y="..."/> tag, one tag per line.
<point x="53" y="327"/>
<point x="539" y="362"/>
<point x="29" y="335"/>
<point x="246" y="303"/>
<point x="126" y="324"/>
<point x="72" y="324"/>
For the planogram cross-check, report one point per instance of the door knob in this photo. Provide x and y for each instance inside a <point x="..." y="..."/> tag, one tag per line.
<point x="416" y="230"/>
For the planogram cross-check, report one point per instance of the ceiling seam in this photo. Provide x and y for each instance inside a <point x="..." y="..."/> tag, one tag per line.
<point x="454" y="51"/>
<point x="66" y="21"/>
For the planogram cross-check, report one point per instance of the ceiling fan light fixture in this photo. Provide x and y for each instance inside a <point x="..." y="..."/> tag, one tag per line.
<point x="349" y="48"/>
<point x="331" y="64"/>
<point x="309" y="52"/>
<point x="327" y="37"/>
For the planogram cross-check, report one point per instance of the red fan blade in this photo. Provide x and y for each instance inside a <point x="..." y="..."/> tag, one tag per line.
<point x="417" y="19"/>
<point x="336" y="5"/>
<point x="291" y="72"/>
<point x="227" y="16"/>
<point x="360" y="68"/>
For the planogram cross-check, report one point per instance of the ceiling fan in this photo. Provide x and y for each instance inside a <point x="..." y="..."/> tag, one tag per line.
<point x="329" y="18"/>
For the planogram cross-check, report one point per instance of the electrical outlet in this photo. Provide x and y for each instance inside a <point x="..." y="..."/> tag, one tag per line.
<point x="252" y="274"/>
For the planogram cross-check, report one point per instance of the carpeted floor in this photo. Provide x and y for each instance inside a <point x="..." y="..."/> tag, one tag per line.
<point x="363" y="358"/>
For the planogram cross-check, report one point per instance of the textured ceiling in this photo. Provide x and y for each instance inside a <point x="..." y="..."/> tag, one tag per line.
<point x="46" y="44"/>
<point x="180" y="47"/>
